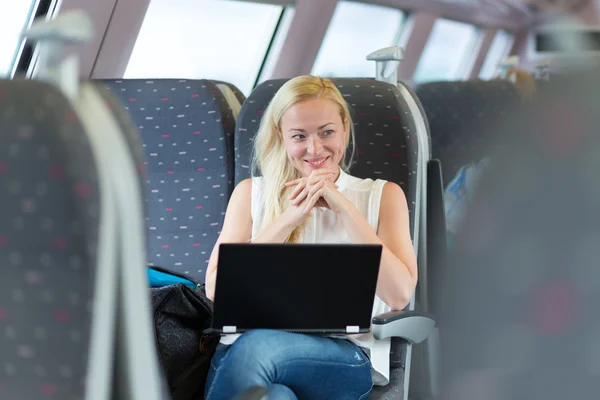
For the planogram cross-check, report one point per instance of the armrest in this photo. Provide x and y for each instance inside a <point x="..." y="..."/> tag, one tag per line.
<point x="253" y="393"/>
<point x="414" y="326"/>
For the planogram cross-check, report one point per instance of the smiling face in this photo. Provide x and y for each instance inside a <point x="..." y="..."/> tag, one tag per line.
<point x="314" y="135"/>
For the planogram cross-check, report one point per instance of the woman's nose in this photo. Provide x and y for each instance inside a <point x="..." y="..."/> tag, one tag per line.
<point x="314" y="146"/>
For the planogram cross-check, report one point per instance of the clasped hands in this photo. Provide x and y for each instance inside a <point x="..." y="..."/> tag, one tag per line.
<point x="317" y="190"/>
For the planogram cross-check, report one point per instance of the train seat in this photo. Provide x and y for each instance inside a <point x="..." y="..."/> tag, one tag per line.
<point x="389" y="132"/>
<point x="186" y="127"/>
<point x="65" y="286"/>
<point x="462" y="116"/>
<point x="49" y="234"/>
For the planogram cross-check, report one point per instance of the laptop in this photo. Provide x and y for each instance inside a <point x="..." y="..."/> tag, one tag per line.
<point x="303" y="288"/>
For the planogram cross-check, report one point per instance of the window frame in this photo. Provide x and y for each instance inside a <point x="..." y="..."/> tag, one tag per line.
<point x="26" y="54"/>
<point x="507" y="51"/>
<point x="272" y="54"/>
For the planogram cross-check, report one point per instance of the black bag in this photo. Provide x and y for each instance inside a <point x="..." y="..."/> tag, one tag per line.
<point x="181" y="315"/>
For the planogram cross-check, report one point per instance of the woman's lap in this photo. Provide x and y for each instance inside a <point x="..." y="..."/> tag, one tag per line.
<point x="311" y="366"/>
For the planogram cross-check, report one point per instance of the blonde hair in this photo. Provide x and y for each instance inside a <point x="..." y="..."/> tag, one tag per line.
<point x="270" y="155"/>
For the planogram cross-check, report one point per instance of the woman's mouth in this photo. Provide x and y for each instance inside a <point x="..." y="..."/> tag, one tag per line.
<point x="317" y="162"/>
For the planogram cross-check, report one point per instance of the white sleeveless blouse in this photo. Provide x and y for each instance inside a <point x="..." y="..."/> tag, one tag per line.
<point x="325" y="226"/>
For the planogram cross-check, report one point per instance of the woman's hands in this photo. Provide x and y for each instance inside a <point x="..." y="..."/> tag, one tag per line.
<point x="317" y="190"/>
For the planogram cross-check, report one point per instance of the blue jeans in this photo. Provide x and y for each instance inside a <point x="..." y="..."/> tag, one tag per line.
<point x="291" y="365"/>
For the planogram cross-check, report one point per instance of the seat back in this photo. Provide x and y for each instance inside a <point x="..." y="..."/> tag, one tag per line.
<point x="49" y="228"/>
<point x="84" y="245"/>
<point x="391" y="143"/>
<point x="460" y="115"/>
<point x="520" y="296"/>
<point x="186" y="127"/>
<point x="386" y="140"/>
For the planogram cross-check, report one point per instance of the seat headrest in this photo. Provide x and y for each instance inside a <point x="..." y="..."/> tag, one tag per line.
<point x="462" y="116"/>
<point x="234" y="89"/>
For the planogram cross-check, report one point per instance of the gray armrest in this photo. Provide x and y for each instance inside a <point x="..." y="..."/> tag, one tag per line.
<point x="253" y="393"/>
<point x="414" y="326"/>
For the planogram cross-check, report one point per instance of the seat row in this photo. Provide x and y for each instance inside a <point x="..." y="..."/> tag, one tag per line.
<point x="196" y="152"/>
<point x="195" y="155"/>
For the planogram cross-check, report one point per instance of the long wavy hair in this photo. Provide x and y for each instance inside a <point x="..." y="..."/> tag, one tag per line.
<point x="269" y="154"/>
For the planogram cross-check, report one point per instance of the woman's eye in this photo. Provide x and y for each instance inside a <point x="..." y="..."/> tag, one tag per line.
<point x="328" y="132"/>
<point x="298" y="137"/>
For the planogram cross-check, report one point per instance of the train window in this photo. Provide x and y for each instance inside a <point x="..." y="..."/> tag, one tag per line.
<point x="498" y="50"/>
<point x="450" y="50"/>
<point x="225" y="40"/>
<point x="16" y="16"/>
<point x="356" y="30"/>
<point x="276" y="45"/>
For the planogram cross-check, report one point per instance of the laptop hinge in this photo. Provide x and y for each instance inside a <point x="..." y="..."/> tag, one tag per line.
<point x="229" y="329"/>
<point x="352" y="329"/>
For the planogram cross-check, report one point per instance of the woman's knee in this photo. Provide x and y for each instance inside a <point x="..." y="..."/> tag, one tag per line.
<point x="256" y="347"/>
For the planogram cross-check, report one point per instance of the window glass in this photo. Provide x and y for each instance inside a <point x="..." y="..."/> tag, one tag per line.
<point x="14" y="18"/>
<point x="499" y="49"/>
<point x="195" y="39"/>
<point x="449" y="53"/>
<point x="356" y="30"/>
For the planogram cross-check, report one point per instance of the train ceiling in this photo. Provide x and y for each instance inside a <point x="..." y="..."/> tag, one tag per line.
<point x="534" y="7"/>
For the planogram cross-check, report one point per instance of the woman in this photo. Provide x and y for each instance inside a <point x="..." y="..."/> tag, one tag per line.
<point x="305" y="196"/>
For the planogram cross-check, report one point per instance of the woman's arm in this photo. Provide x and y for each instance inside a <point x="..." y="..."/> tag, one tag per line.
<point x="237" y="228"/>
<point x="398" y="269"/>
<point x="278" y="231"/>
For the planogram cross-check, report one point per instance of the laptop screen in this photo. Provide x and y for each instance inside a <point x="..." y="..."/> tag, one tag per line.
<point x="296" y="287"/>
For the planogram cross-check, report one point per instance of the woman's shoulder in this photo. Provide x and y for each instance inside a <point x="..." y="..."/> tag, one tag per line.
<point x="380" y="188"/>
<point x="249" y="190"/>
<point x="243" y="189"/>
<point x="248" y="183"/>
<point x="391" y="190"/>
<point x="362" y="184"/>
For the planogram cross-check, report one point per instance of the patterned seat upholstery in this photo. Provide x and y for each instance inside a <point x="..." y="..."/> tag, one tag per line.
<point x="186" y="127"/>
<point x="462" y="116"/>
<point x="48" y="237"/>
<point x="129" y="131"/>
<point x="386" y="147"/>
